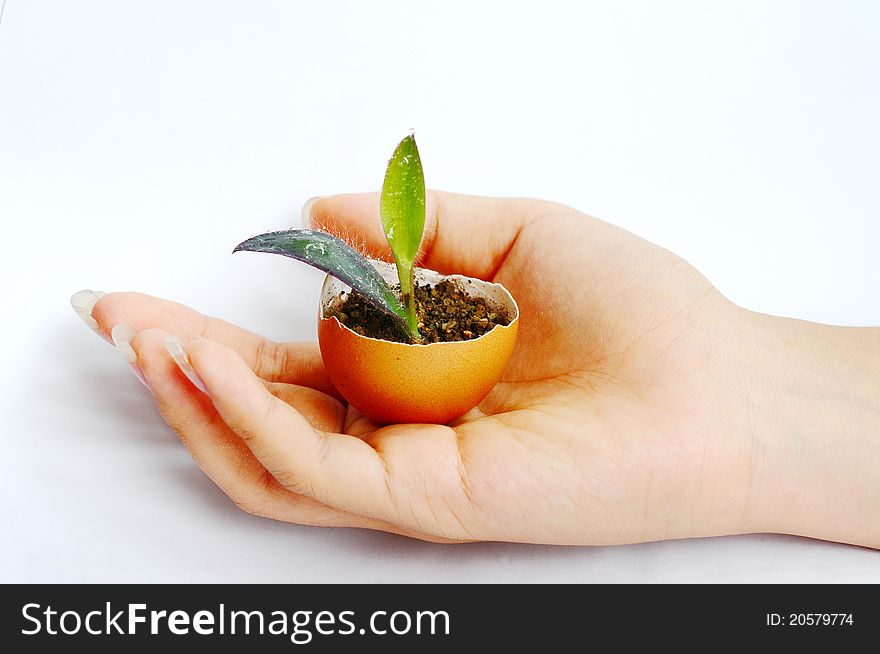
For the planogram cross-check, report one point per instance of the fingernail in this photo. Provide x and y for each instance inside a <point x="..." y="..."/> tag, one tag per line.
<point x="175" y="349"/>
<point x="122" y="335"/>
<point x="83" y="302"/>
<point x="306" y="216"/>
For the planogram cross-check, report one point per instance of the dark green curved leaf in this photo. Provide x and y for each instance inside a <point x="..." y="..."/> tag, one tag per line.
<point x="334" y="256"/>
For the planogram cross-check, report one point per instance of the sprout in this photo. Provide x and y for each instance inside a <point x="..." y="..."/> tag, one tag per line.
<point x="402" y="209"/>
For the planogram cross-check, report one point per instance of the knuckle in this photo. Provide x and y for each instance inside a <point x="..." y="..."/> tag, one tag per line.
<point x="285" y="478"/>
<point x="270" y="359"/>
<point x="294" y="483"/>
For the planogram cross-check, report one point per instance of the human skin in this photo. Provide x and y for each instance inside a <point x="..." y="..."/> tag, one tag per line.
<point x="640" y="404"/>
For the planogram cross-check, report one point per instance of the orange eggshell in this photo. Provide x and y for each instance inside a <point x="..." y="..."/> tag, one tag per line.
<point x="397" y="382"/>
<point x="401" y="382"/>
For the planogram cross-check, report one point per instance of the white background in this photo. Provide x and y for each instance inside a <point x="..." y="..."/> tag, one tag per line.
<point x="139" y="141"/>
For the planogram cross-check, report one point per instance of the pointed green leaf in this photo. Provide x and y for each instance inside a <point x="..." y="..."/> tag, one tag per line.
<point x="334" y="256"/>
<point x="402" y="209"/>
<point x="402" y="205"/>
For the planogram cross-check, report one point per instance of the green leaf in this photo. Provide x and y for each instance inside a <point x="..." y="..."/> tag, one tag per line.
<point x="402" y="209"/>
<point x="334" y="256"/>
<point x="402" y="205"/>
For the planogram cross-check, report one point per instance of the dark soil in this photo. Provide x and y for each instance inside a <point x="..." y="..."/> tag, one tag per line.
<point x="445" y="313"/>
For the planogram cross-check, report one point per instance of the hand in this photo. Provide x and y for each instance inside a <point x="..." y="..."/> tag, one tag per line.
<point x="640" y="404"/>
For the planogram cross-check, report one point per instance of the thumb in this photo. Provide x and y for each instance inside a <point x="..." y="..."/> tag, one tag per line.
<point x="464" y="234"/>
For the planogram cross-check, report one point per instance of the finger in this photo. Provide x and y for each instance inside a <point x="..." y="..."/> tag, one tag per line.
<point x="219" y="452"/>
<point x="321" y="411"/>
<point x="464" y="234"/>
<point x="338" y="470"/>
<point x="295" y="363"/>
<point x="357" y="424"/>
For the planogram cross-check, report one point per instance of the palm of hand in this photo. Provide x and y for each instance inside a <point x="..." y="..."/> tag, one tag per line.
<point x="602" y="426"/>
<point x="607" y="426"/>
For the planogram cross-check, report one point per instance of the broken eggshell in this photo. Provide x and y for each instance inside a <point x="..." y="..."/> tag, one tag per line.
<point x="403" y="382"/>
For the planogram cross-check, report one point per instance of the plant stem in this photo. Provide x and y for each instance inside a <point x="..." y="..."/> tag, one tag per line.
<point x="408" y="296"/>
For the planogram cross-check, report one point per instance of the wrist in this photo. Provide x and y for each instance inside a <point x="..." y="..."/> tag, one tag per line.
<point x="812" y="410"/>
